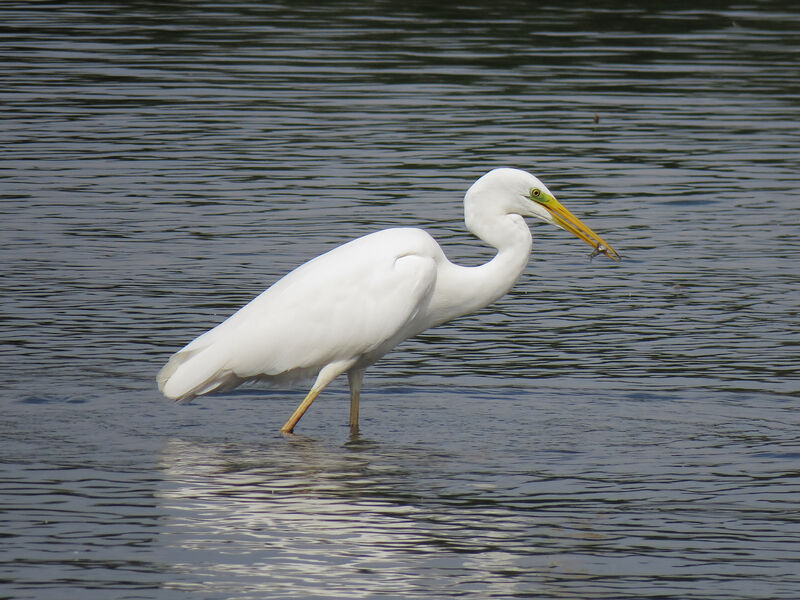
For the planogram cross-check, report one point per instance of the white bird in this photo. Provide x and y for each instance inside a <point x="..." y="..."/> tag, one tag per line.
<point x="343" y="310"/>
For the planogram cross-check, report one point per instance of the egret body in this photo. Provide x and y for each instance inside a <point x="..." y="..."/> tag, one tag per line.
<point x="343" y="310"/>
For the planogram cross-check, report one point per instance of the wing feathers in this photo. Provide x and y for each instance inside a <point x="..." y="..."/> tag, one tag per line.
<point x="355" y="302"/>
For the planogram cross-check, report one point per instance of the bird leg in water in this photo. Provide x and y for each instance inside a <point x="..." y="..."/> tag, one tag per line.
<point x="326" y="375"/>
<point x="354" y="379"/>
<point x="312" y="394"/>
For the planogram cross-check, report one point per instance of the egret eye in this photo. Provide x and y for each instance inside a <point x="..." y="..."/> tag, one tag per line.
<point x="536" y="194"/>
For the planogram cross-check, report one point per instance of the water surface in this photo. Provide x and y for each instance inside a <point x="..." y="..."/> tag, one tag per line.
<point x="604" y="431"/>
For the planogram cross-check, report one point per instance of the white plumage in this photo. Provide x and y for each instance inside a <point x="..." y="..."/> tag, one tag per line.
<point x="343" y="310"/>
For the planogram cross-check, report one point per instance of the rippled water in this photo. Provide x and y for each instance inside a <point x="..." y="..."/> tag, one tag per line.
<point x="605" y="431"/>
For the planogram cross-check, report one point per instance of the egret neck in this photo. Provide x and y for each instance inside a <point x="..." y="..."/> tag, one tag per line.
<point x="463" y="290"/>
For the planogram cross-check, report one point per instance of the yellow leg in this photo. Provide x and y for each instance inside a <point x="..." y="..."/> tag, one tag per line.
<point x="354" y="379"/>
<point x="300" y="411"/>
<point x="326" y="375"/>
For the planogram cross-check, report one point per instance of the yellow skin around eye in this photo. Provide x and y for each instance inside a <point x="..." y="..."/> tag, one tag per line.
<point x="537" y="196"/>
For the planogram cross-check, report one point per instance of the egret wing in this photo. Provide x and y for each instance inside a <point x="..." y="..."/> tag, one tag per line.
<point x="354" y="302"/>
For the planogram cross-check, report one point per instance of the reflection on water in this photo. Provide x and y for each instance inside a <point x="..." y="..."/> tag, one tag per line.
<point x="323" y="518"/>
<point x="604" y="431"/>
<point x="298" y="515"/>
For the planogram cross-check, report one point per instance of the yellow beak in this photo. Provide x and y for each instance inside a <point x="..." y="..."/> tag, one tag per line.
<point x="569" y="222"/>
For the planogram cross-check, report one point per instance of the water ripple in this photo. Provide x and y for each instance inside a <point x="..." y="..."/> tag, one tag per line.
<point x="604" y="431"/>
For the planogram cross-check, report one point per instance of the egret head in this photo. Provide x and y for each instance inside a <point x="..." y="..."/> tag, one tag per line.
<point x="519" y="192"/>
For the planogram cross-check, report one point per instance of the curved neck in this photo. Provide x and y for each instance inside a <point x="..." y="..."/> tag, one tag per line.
<point x="463" y="290"/>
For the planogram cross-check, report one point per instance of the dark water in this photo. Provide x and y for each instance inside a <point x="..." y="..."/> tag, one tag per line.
<point x="605" y="431"/>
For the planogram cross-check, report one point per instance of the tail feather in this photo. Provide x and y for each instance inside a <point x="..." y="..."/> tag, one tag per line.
<point x="194" y="372"/>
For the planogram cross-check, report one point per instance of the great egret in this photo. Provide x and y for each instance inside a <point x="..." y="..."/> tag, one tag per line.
<point x="343" y="310"/>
